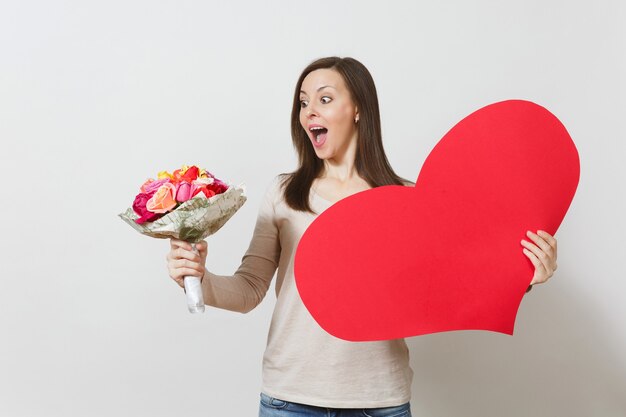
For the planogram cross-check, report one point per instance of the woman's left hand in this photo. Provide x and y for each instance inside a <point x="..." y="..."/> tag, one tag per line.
<point x="542" y="254"/>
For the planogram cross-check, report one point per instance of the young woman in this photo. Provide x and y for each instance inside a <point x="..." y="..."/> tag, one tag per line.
<point x="335" y="127"/>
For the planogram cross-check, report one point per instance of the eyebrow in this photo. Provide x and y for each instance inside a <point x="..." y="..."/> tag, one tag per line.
<point x="322" y="87"/>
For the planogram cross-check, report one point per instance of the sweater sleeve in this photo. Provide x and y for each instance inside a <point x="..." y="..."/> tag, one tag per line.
<point x="246" y="288"/>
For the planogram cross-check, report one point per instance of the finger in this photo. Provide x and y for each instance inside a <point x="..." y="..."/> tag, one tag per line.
<point x="549" y="259"/>
<point x="539" y="268"/>
<point x="179" y="281"/>
<point x="181" y="253"/>
<point x="545" y="257"/>
<point x="187" y="264"/>
<point x="533" y="258"/>
<point x="179" y="274"/>
<point x="536" y="250"/>
<point x="541" y="242"/>
<point x="202" y="246"/>
<point x="188" y="272"/>
<point x="553" y="243"/>
<point x="548" y="238"/>
<point x="541" y="257"/>
<point x="176" y="243"/>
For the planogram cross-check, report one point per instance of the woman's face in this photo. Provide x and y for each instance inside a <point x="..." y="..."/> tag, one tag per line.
<point x="327" y="113"/>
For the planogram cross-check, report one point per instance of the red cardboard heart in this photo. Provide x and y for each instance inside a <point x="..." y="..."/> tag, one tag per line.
<point x="444" y="255"/>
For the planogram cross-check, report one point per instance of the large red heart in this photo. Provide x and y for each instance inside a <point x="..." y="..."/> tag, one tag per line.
<point x="444" y="255"/>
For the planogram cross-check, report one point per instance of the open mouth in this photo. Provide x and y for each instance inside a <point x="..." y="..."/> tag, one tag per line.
<point x="318" y="133"/>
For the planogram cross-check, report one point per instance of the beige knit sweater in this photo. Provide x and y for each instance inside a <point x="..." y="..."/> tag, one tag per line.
<point x="302" y="362"/>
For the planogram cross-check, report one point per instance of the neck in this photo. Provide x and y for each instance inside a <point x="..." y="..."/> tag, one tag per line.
<point x="341" y="172"/>
<point x="342" y="167"/>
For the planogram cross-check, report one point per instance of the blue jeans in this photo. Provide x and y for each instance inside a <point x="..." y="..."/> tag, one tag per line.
<point x="272" y="407"/>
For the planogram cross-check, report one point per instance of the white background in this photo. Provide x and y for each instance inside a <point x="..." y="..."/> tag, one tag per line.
<point x="97" y="96"/>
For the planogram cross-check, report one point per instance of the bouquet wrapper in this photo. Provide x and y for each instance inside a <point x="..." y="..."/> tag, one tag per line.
<point x="193" y="221"/>
<point x="193" y="289"/>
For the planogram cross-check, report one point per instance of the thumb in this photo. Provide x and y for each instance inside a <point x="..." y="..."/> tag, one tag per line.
<point x="202" y="248"/>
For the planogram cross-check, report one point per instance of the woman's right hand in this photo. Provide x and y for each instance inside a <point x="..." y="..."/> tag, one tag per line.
<point x="182" y="261"/>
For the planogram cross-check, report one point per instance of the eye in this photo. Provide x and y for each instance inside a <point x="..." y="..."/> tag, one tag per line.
<point x="325" y="99"/>
<point x="303" y="103"/>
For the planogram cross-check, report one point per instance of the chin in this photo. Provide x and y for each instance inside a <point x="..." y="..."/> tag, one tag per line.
<point x="323" y="155"/>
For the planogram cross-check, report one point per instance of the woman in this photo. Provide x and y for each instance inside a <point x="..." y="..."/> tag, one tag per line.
<point x="335" y="127"/>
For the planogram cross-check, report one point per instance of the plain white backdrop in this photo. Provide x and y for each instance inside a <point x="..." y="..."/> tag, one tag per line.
<point x="97" y="96"/>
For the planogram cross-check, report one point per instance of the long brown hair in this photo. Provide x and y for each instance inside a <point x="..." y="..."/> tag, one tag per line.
<point x="370" y="161"/>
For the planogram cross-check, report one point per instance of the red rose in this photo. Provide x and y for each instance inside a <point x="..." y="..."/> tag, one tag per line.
<point x="190" y="175"/>
<point x="208" y="193"/>
<point x="218" y="186"/>
<point x="139" y="206"/>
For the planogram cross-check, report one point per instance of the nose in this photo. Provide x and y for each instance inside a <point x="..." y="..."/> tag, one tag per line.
<point x="310" y="111"/>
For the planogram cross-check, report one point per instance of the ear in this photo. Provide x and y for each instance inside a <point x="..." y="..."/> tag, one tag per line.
<point x="356" y="115"/>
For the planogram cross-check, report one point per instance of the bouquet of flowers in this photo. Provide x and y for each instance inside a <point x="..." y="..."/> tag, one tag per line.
<point x="188" y="204"/>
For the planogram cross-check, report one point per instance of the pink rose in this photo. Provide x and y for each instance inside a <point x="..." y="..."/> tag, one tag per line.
<point x="163" y="200"/>
<point x="151" y="186"/>
<point x="139" y="206"/>
<point x="184" y="191"/>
